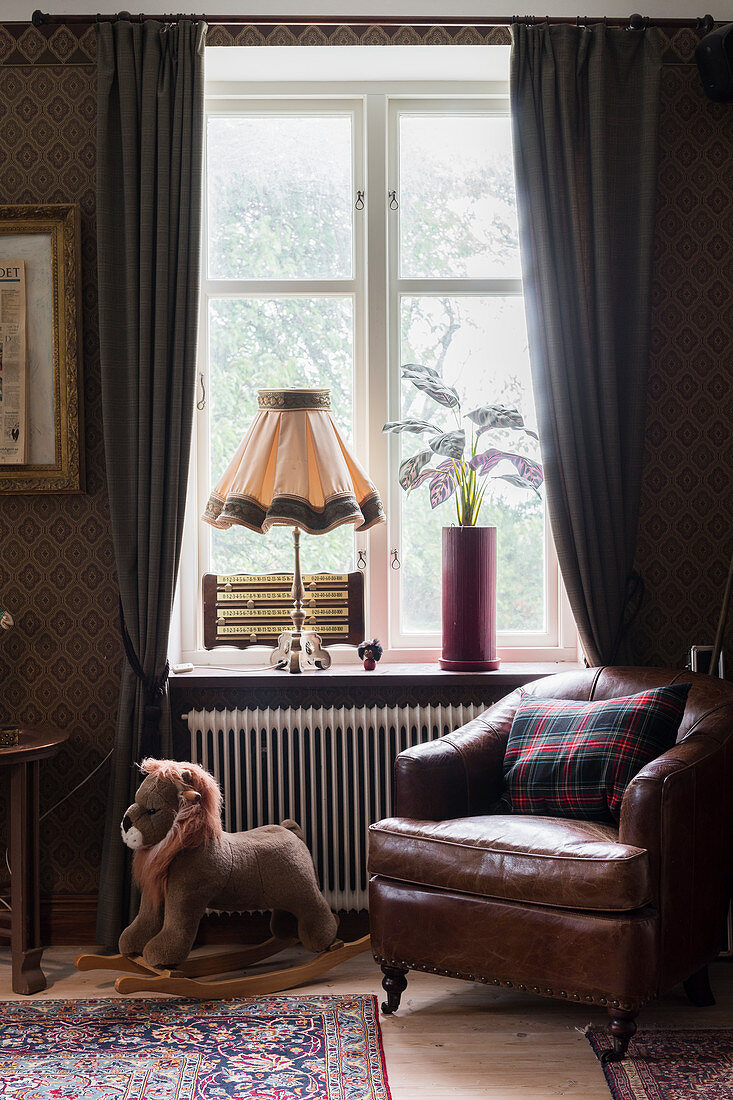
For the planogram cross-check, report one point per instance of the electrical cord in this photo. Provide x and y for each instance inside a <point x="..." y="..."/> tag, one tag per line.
<point x="242" y="668"/>
<point x="3" y="902"/>
<point x="76" y="788"/>
<point x="56" y="805"/>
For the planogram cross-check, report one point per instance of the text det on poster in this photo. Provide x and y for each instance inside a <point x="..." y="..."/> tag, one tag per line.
<point x="13" y="365"/>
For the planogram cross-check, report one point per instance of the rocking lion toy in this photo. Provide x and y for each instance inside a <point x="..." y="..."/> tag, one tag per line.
<point x="185" y="863"/>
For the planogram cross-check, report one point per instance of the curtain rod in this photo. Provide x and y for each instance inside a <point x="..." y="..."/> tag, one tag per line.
<point x="635" y="22"/>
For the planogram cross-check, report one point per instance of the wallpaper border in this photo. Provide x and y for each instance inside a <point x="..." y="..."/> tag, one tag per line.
<point x="24" y="44"/>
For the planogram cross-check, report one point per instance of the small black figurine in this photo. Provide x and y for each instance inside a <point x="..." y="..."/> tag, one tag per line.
<point x="370" y="653"/>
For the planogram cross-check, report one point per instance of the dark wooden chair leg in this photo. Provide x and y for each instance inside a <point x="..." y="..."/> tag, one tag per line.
<point x="622" y="1027"/>
<point x="697" y="988"/>
<point x="394" y="984"/>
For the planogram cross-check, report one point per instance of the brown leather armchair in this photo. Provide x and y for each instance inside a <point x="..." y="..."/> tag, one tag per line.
<point x="569" y="909"/>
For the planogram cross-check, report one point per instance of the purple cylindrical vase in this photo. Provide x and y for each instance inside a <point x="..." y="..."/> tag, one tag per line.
<point x="469" y="599"/>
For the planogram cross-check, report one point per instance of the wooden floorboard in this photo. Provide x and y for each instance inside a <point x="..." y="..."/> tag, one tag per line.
<point x="454" y="1039"/>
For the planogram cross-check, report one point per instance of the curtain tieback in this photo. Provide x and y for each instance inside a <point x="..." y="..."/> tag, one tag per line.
<point x="153" y="693"/>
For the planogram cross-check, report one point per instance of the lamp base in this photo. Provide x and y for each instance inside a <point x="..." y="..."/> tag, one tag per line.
<point x="300" y="651"/>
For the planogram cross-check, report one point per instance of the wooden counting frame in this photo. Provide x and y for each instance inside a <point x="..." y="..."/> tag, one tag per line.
<point x="254" y="609"/>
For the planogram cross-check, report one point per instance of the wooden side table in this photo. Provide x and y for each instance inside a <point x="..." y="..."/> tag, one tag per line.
<point x="22" y="926"/>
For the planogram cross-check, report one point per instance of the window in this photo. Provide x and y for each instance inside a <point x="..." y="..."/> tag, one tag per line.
<point x="456" y="292"/>
<point x="304" y="284"/>
<point x="282" y="249"/>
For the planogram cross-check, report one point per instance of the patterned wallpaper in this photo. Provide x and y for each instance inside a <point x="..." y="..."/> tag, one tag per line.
<point x="61" y="665"/>
<point x="686" y="522"/>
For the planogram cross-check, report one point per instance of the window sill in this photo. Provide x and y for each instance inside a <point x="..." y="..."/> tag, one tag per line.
<point x="414" y="674"/>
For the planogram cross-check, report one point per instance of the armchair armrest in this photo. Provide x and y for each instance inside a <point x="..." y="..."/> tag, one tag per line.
<point x="678" y="807"/>
<point x="458" y="775"/>
<point x="668" y="790"/>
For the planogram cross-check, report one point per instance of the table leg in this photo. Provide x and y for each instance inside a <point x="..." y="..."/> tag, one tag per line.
<point x="25" y="896"/>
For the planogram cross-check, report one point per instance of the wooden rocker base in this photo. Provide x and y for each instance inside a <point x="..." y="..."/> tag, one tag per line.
<point x="183" y="982"/>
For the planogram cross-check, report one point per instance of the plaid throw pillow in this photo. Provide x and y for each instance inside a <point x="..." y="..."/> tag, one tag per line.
<point x="569" y="759"/>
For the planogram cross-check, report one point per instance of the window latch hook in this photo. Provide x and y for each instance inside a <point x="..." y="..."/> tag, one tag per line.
<point x="359" y="204"/>
<point x="201" y="403"/>
<point x="396" y="563"/>
<point x="393" y="203"/>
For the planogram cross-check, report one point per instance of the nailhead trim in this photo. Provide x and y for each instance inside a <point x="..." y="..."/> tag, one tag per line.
<point x="546" y="992"/>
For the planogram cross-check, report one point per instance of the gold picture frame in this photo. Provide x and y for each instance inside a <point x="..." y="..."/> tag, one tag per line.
<point x="48" y="239"/>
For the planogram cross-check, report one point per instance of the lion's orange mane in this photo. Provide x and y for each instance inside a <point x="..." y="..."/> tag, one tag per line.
<point x="196" y="823"/>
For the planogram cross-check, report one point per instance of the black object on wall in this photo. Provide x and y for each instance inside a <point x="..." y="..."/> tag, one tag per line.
<point x="714" y="56"/>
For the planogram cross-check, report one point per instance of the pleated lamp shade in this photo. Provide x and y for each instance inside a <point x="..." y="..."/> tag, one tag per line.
<point x="293" y="469"/>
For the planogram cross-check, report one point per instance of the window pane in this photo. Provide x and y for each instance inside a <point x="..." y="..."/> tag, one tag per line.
<point x="458" y="213"/>
<point x="279" y="197"/>
<point x="271" y="342"/>
<point x="479" y="345"/>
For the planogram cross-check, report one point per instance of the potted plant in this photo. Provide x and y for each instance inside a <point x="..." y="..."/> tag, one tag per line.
<point x="469" y="551"/>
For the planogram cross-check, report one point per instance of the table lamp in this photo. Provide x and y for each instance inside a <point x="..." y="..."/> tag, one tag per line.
<point x="293" y="469"/>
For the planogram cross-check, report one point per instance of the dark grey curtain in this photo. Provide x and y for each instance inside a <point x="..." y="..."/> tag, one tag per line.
<point x="149" y="181"/>
<point x="585" y="109"/>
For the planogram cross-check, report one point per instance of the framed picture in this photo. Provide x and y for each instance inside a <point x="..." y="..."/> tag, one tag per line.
<point x="41" y="430"/>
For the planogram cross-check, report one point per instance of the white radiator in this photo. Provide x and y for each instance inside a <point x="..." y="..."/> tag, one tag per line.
<point x="329" y="768"/>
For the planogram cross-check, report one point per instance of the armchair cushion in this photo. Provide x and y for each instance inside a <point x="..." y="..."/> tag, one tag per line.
<point x="576" y="759"/>
<point x="538" y="860"/>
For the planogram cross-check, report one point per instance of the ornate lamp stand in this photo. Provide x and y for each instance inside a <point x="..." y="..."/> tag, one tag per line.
<point x="299" y="650"/>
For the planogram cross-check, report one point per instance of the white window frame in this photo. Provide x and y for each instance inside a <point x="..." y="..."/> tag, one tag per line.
<point x="374" y="107"/>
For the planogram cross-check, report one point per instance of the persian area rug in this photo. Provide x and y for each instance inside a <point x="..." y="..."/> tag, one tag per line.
<point x="671" y="1065"/>
<point x="267" y="1048"/>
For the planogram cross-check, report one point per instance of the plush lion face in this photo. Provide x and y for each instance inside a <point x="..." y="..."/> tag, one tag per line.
<point x="150" y="818"/>
<point x="177" y="806"/>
